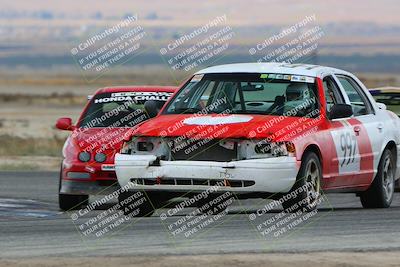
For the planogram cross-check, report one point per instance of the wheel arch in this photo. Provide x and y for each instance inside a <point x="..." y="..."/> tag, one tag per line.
<point x="391" y="145"/>
<point x="314" y="148"/>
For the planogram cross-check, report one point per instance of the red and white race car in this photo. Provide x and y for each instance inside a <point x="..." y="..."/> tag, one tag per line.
<point x="88" y="164"/>
<point x="265" y="130"/>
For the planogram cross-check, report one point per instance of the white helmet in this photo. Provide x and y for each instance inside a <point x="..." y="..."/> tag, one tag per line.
<point x="297" y="98"/>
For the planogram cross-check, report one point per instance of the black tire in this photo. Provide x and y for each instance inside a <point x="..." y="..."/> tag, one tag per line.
<point x="129" y="207"/>
<point x="305" y="194"/>
<point x="380" y="193"/>
<point x="70" y="202"/>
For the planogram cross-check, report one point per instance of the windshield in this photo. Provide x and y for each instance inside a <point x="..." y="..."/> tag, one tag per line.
<point x="122" y="109"/>
<point x="247" y="93"/>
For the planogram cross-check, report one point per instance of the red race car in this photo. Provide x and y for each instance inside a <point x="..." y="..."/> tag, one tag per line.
<point x="88" y="153"/>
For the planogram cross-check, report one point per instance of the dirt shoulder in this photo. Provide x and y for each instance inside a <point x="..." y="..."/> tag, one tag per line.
<point x="326" y="259"/>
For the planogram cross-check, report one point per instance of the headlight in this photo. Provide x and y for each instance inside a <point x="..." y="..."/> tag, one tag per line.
<point x="100" y="157"/>
<point x="282" y="149"/>
<point x="84" y="156"/>
<point x="126" y="147"/>
<point x="263" y="148"/>
<point x="278" y="149"/>
<point x="146" y="146"/>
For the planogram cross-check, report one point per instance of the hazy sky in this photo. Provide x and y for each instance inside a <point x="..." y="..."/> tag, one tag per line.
<point x="189" y="12"/>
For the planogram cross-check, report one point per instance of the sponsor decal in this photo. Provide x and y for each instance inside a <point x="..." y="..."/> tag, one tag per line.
<point x="108" y="167"/>
<point x="138" y="97"/>
<point x="292" y="78"/>
<point x="217" y="120"/>
<point x="197" y="78"/>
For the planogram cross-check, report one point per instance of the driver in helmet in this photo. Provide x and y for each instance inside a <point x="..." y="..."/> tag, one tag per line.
<point x="297" y="99"/>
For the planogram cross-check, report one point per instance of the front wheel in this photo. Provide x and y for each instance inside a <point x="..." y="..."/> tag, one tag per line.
<point x="72" y="202"/>
<point x="380" y="193"/>
<point x="306" y="192"/>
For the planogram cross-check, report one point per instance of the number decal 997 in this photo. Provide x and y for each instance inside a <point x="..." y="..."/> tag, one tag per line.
<point x="348" y="156"/>
<point x="348" y="145"/>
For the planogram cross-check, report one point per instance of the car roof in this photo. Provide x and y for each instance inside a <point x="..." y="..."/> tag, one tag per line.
<point x="273" y="67"/>
<point x="140" y="88"/>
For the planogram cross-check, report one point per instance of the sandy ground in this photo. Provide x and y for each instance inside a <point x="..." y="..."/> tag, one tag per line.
<point x="326" y="259"/>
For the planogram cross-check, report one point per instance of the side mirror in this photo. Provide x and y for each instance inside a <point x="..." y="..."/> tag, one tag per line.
<point x="65" y="124"/>
<point x="381" y="106"/>
<point x="339" y="111"/>
<point x="152" y="107"/>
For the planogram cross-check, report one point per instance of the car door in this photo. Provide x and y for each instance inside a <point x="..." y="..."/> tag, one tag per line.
<point x="367" y="131"/>
<point x="344" y="160"/>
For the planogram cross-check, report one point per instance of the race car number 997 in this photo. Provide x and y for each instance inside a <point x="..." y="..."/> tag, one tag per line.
<point x="348" y="145"/>
<point x="346" y="150"/>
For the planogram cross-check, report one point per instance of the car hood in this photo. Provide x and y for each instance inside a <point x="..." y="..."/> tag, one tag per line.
<point x="277" y="128"/>
<point x="97" y="139"/>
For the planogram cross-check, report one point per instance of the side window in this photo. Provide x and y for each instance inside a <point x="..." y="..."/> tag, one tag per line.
<point x="332" y="93"/>
<point x="358" y="100"/>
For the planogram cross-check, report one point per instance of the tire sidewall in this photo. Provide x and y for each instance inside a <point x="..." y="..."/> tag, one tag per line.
<point x="380" y="179"/>
<point x="301" y="182"/>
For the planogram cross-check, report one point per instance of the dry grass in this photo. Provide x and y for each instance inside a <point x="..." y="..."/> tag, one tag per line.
<point x="58" y="99"/>
<point x="373" y="81"/>
<point x="18" y="146"/>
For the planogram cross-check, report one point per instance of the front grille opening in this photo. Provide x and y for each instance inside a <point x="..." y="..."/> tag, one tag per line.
<point x="167" y="181"/>
<point x="201" y="182"/>
<point x="248" y="183"/>
<point x="203" y="150"/>
<point x="149" y="181"/>
<point x="184" y="182"/>
<point x="235" y="183"/>
<point x="216" y="182"/>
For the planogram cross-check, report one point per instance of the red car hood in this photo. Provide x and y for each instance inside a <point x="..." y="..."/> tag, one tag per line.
<point x="224" y="126"/>
<point x="97" y="139"/>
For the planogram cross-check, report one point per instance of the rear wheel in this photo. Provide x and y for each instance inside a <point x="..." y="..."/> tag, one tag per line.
<point x="306" y="192"/>
<point x="380" y="193"/>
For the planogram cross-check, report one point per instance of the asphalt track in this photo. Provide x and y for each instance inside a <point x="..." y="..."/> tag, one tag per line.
<point x="32" y="225"/>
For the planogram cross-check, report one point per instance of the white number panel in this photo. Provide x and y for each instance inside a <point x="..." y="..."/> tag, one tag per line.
<point x="347" y="150"/>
